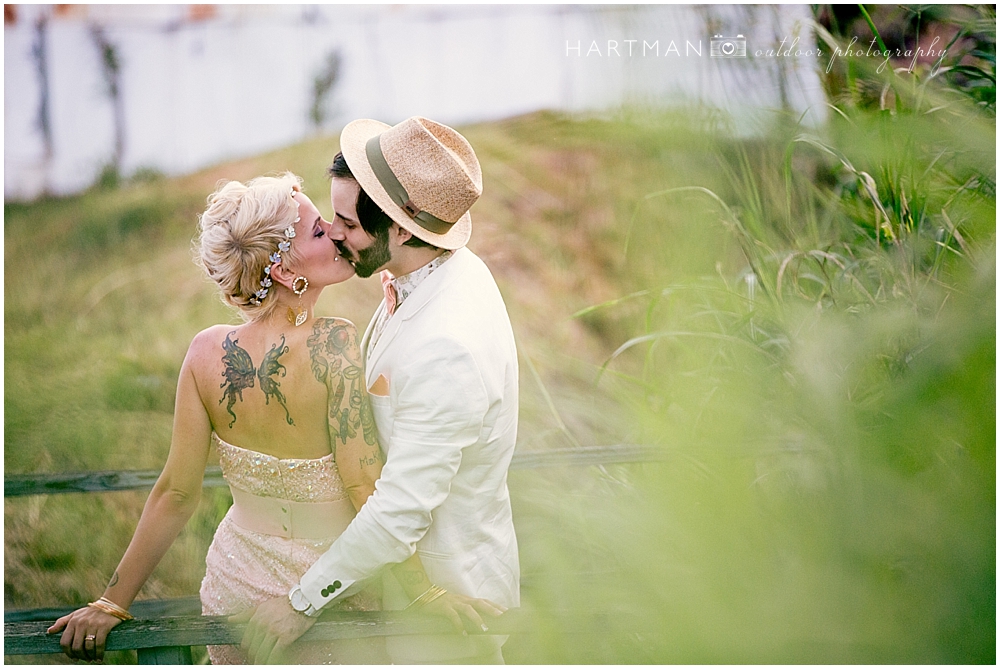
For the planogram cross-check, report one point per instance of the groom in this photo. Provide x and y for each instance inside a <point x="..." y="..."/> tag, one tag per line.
<point x="441" y="368"/>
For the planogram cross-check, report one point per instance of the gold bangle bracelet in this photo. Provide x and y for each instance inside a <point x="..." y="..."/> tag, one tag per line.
<point x="122" y="611"/>
<point x="428" y="596"/>
<point x="432" y="595"/>
<point x="112" y="609"/>
<point x="108" y="610"/>
<point x="441" y="591"/>
<point x="419" y="599"/>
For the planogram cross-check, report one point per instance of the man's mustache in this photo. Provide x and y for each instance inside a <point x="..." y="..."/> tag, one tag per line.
<point x="342" y="250"/>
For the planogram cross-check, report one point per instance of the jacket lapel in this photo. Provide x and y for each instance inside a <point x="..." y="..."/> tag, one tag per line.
<point x="366" y="342"/>
<point x="425" y="292"/>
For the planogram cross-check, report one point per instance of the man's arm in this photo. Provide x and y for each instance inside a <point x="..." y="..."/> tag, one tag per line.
<point x="336" y="362"/>
<point x="440" y="404"/>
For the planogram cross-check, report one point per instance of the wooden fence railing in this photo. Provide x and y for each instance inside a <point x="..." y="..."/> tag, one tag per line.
<point x="164" y="630"/>
<point x="169" y="640"/>
<point x="18" y="485"/>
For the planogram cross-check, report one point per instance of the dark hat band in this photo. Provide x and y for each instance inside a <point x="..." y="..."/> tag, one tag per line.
<point x="397" y="193"/>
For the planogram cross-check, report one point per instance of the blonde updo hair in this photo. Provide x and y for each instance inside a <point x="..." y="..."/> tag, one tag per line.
<point x="240" y="230"/>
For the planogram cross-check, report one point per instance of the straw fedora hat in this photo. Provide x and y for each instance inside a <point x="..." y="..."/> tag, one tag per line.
<point x="424" y="175"/>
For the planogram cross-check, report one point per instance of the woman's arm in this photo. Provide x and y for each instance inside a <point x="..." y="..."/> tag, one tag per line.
<point x="335" y="356"/>
<point x="171" y="503"/>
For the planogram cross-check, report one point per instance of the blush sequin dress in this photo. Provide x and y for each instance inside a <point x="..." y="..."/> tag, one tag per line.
<point x="285" y="514"/>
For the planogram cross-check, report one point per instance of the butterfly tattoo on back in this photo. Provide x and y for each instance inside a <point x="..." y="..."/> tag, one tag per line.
<point x="239" y="374"/>
<point x="271" y="367"/>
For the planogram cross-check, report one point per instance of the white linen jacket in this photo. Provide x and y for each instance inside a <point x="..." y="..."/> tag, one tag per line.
<point x="447" y="427"/>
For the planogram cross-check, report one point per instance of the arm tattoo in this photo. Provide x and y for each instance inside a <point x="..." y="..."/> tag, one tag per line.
<point x="330" y="347"/>
<point x="239" y="373"/>
<point x="114" y="579"/>
<point x="269" y="367"/>
<point x="372" y="458"/>
<point x="368" y="422"/>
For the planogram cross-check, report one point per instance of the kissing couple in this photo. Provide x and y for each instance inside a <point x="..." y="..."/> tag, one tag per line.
<point x="367" y="473"/>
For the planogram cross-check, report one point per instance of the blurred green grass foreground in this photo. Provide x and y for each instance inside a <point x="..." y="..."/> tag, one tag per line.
<point x="802" y="323"/>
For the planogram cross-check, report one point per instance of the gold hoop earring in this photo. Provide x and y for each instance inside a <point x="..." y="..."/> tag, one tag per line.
<point x="298" y="316"/>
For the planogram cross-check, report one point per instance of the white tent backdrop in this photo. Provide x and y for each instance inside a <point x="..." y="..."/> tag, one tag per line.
<point x="200" y="86"/>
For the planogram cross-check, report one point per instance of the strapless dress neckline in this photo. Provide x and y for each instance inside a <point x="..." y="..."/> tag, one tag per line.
<point x="294" y="479"/>
<point x="226" y="444"/>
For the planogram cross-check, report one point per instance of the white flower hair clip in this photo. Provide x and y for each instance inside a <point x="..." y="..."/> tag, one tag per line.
<point x="283" y="247"/>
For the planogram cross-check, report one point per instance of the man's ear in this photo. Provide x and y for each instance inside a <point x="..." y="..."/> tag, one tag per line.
<point x="283" y="275"/>
<point x="398" y="234"/>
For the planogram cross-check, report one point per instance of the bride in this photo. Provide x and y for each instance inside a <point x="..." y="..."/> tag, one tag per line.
<point x="283" y="399"/>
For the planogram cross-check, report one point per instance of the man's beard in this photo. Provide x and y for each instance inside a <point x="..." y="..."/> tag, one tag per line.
<point x="369" y="260"/>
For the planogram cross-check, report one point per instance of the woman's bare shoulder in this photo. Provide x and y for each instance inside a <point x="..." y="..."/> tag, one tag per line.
<point x="329" y="322"/>
<point x="211" y="339"/>
<point x="214" y="334"/>
<point x="338" y="331"/>
<point x="333" y="337"/>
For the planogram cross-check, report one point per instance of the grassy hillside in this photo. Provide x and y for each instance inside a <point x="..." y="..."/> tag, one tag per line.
<point x="102" y="299"/>
<point x="814" y="353"/>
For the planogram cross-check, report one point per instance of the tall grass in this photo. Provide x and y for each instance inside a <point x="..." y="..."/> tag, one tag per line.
<point x="812" y="345"/>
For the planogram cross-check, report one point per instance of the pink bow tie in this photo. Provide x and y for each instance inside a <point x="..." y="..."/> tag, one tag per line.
<point x="390" y="292"/>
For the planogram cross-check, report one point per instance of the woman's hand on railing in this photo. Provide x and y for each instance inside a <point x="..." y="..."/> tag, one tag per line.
<point x="84" y="633"/>
<point x="455" y="607"/>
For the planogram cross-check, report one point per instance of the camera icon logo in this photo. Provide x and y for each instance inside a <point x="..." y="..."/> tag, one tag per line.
<point x="728" y="47"/>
